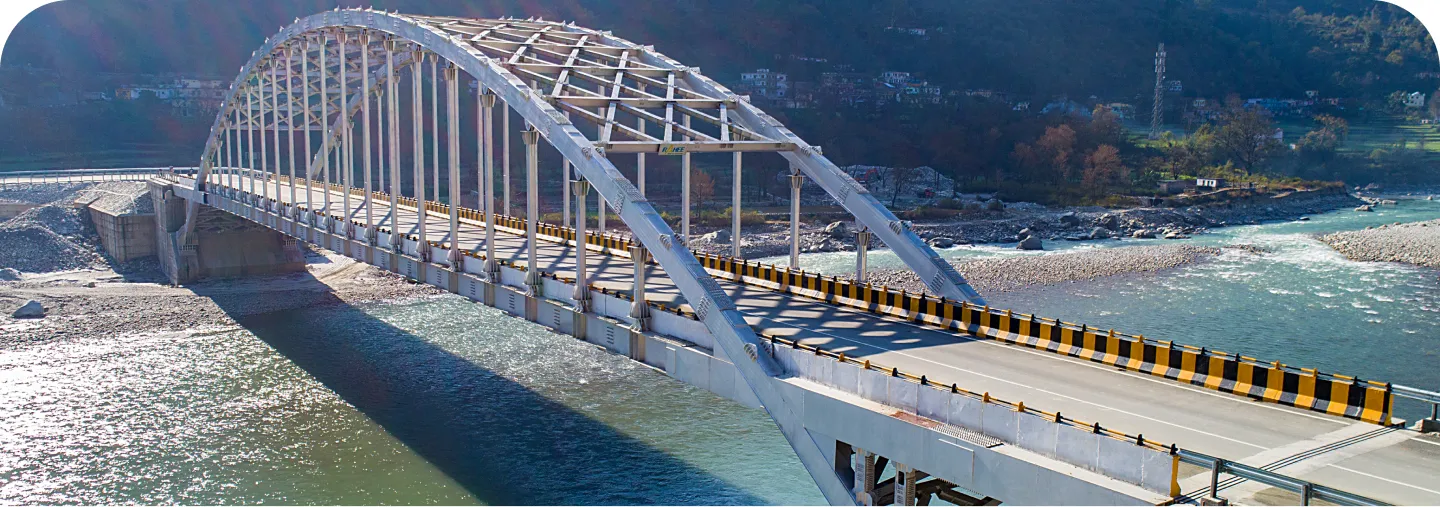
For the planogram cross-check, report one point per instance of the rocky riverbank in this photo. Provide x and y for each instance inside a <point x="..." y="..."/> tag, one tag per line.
<point x="1095" y="223"/>
<point x="104" y="302"/>
<point x="51" y="254"/>
<point x="1048" y="224"/>
<point x="1416" y="243"/>
<point x="1005" y="274"/>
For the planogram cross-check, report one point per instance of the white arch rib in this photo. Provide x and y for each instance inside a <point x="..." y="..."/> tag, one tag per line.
<point x="712" y="305"/>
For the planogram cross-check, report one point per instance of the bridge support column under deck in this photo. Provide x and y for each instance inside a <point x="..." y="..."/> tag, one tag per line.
<point x="862" y="252"/>
<point x="906" y="478"/>
<point x="864" y="477"/>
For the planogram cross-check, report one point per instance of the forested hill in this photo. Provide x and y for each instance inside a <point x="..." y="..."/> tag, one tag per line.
<point x="1348" y="48"/>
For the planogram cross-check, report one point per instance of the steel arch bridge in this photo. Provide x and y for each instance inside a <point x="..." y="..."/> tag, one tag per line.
<point x="577" y="88"/>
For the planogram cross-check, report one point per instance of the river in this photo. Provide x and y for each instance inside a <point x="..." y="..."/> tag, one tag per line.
<point x="441" y="401"/>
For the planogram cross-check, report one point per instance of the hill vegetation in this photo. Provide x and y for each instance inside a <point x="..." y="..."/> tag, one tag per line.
<point x="1358" y="50"/>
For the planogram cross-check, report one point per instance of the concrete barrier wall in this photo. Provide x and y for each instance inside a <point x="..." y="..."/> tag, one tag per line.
<point x="1145" y="465"/>
<point x="1006" y="472"/>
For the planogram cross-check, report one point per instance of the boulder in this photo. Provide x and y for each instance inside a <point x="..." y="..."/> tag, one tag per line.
<point x="1365" y="207"/>
<point x="838" y="230"/>
<point x="32" y="309"/>
<point x="1099" y="233"/>
<point x="9" y="275"/>
<point x="1031" y="243"/>
<point x="1108" y="221"/>
<point x="1143" y="234"/>
<point x="1175" y="235"/>
<point x="1304" y="219"/>
<point x="721" y="236"/>
<point x="942" y="242"/>
<point x="1069" y="219"/>
<point x="994" y="205"/>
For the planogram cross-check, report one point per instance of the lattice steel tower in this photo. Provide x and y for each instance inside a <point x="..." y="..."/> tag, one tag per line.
<point x="1159" y="92"/>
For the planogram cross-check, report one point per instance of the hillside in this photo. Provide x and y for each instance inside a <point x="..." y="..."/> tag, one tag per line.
<point x="1041" y="47"/>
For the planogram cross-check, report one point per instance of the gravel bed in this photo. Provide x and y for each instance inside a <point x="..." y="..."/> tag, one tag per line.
<point x="120" y="198"/>
<point x="1005" y="274"/>
<point x="42" y="194"/>
<point x="1416" y="243"/>
<point x="52" y="237"/>
<point x="36" y="249"/>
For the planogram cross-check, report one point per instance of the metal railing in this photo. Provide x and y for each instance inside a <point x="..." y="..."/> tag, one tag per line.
<point x="65" y="176"/>
<point x="1421" y="395"/>
<point x="1308" y="491"/>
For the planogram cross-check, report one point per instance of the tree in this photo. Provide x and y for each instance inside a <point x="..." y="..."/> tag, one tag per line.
<point x="1246" y="136"/>
<point x="702" y="186"/>
<point x="899" y="176"/>
<point x="1335" y="125"/>
<point x="1103" y="168"/>
<point x="1055" y="148"/>
<point x="1105" y="127"/>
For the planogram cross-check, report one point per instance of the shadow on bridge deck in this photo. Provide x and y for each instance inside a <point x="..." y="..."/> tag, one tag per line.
<point x="501" y="440"/>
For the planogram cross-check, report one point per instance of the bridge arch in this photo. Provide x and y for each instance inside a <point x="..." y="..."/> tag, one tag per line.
<point x="490" y="51"/>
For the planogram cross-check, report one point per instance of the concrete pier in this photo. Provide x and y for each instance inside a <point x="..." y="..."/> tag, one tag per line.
<point x="223" y="245"/>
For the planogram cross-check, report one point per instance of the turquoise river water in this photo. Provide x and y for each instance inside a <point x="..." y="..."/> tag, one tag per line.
<point x="441" y="401"/>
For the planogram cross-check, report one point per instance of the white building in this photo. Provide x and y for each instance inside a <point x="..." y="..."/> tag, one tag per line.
<point x="895" y="77"/>
<point x="1415" y="100"/>
<point x="766" y="84"/>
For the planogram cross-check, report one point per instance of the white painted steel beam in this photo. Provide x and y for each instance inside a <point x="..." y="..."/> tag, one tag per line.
<point x="713" y="306"/>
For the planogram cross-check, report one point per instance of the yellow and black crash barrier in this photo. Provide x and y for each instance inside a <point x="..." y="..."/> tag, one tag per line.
<point x="1269" y="381"/>
<point x="1272" y="382"/>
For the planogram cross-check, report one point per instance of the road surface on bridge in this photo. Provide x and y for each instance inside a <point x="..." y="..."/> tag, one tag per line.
<point x="1390" y="464"/>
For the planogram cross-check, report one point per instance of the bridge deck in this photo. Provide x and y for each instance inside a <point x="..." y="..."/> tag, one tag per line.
<point x="1394" y="465"/>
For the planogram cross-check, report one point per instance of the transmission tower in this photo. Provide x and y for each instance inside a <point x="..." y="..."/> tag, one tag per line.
<point x="1159" y="92"/>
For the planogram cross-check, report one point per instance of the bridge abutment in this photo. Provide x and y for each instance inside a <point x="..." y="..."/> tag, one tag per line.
<point x="222" y="245"/>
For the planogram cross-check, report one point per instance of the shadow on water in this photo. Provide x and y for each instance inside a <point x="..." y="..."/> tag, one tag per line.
<point x="502" y="441"/>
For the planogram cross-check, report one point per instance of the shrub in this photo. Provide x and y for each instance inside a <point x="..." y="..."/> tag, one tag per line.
<point x="949" y="203"/>
<point x="928" y="213"/>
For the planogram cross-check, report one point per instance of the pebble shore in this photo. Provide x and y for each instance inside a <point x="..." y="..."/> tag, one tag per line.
<point x="104" y="302"/>
<point x="54" y="251"/>
<point x="1006" y="274"/>
<point x="1416" y="243"/>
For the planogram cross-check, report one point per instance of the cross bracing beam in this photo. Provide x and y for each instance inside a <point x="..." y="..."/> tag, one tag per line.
<point x="592" y="75"/>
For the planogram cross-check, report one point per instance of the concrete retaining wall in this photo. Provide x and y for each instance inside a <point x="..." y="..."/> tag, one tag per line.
<point x="125" y="237"/>
<point x="9" y="210"/>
